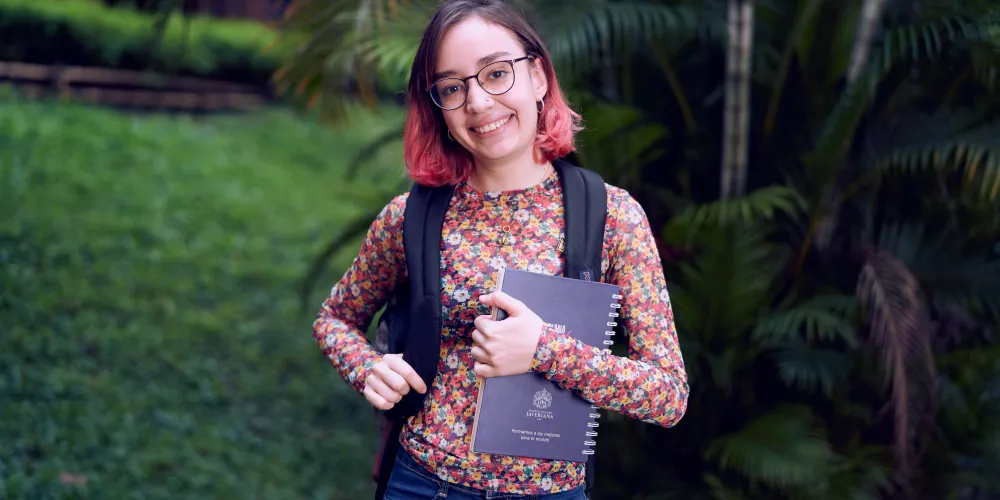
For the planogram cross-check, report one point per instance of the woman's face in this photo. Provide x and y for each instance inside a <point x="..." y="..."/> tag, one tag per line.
<point x="492" y="127"/>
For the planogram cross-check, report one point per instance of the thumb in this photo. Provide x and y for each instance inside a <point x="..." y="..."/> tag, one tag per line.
<point x="503" y="301"/>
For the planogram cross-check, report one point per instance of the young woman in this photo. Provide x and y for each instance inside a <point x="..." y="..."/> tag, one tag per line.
<point x="487" y="115"/>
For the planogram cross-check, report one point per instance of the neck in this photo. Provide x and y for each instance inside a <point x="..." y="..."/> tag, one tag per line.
<point x="511" y="175"/>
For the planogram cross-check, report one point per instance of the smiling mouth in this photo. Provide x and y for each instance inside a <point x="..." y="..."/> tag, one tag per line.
<point x="489" y="127"/>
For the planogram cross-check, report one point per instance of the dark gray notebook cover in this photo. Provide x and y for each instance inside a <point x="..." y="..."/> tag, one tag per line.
<point x="527" y="415"/>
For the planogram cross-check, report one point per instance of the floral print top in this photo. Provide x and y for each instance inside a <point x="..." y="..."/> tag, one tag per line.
<point x="650" y="385"/>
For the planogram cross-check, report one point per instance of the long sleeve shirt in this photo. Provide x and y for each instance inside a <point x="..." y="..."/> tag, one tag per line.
<point x="649" y="385"/>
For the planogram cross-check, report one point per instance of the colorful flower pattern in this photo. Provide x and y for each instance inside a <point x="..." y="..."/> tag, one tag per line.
<point x="651" y="385"/>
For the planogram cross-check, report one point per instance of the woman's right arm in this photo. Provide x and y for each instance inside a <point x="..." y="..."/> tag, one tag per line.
<point x="341" y="325"/>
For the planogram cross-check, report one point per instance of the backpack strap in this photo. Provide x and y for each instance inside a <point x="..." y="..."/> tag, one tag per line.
<point x="420" y="339"/>
<point x="419" y="298"/>
<point x="586" y="207"/>
<point x="586" y="211"/>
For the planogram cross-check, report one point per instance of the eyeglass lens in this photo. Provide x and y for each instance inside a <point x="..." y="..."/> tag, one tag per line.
<point x="495" y="78"/>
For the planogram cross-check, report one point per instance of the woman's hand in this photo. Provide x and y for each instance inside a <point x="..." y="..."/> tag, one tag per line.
<point x="389" y="380"/>
<point x="505" y="347"/>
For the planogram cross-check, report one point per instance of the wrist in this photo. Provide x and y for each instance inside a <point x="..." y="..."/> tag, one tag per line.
<point x="365" y="370"/>
<point x="544" y="355"/>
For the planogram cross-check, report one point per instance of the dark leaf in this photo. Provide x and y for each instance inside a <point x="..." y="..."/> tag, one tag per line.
<point x="900" y="330"/>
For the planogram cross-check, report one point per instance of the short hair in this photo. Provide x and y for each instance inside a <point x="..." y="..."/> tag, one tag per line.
<point x="434" y="160"/>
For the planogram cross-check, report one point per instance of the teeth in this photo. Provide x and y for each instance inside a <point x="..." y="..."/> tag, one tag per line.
<point x="489" y="127"/>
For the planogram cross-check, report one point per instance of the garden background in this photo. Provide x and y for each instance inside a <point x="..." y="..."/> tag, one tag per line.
<point x="822" y="177"/>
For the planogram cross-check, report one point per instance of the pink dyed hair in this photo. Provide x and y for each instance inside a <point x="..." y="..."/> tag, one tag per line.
<point x="434" y="160"/>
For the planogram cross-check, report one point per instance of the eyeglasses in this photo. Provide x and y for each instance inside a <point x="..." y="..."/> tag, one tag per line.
<point x="495" y="78"/>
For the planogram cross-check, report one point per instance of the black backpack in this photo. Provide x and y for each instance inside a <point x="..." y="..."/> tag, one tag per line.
<point x="411" y="322"/>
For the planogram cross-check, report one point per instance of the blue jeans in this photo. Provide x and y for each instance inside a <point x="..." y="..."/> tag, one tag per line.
<point x="411" y="481"/>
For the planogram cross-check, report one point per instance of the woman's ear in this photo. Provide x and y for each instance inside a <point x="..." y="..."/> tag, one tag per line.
<point x="538" y="78"/>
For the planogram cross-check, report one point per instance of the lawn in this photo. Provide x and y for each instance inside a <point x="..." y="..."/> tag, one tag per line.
<point x="151" y="340"/>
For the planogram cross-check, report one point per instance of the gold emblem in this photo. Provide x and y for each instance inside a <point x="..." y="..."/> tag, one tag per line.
<point x="505" y="239"/>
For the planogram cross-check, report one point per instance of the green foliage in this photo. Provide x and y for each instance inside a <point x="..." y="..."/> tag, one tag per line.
<point x="782" y="449"/>
<point x="854" y="276"/>
<point x="90" y="34"/>
<point x="151" y="336"/>
<point x="762" y="204"/>
<point x="583" y="36"/>
<point x="371" y="45"/>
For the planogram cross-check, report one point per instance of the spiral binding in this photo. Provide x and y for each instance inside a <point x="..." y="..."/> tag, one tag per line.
<point x="595" y="415"/>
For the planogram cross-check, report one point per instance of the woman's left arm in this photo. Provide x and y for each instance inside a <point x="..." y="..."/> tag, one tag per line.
<point x="651" y="384"/>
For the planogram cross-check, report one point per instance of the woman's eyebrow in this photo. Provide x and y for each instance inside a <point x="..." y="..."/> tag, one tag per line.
<point x="483" y="61"/>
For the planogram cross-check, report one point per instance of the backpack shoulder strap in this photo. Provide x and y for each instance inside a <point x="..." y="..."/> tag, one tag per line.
<point x="422" y="222"/>
<point x="586" y="207"/>
<point x="417" y="322"/>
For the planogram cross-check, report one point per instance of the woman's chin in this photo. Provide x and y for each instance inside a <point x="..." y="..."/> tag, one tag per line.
<point x="493" y="151"/>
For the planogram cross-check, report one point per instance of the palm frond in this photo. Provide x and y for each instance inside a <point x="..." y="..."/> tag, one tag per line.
<point x="825" y="317"/>
<point x="582" y="35"/>
<point x="781" y="449"/>
<point x="975" y="153"/>
<point x="930" y="38"/>
<point x="722" y="291"/>
<point x="975" y="425"/>
<point x="859" y="474"/>
<point x="904" y="43"/>
<point x="792" y="335"/>
<point x="899" y="329"/>
<point x="345" y="47"/>
<point x="619" y="141"/>
<point x="318" y="73"/>
<point x="949" y="274"/>
<point x="761" y="204"/>
<point x="391" y="50"/>
<point x="718" y="295"/>
<point x="811" y="369"/>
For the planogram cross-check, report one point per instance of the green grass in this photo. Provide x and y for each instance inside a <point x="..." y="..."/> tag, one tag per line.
<point x="150" y="335"/>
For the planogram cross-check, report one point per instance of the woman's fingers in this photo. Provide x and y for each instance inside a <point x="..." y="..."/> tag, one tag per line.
<point x="382" y="389"/>
<point x="408" y="377"/>
<point x="390" y="378"/>
<point x="373" y="397"/>
<point x="479" y="354"/>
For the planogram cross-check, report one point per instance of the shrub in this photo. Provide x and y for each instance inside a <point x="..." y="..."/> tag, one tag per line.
<point x="91" y="34"/>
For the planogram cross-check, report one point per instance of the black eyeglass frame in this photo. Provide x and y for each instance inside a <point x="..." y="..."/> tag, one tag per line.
<point x="465" y="80"/>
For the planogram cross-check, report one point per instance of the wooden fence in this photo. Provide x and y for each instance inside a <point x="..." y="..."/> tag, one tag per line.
<point x="132" y="89"/>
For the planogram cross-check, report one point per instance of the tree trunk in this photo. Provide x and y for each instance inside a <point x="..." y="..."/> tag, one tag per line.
<point x="737" y="102"/>
<point x="871" y="15"/>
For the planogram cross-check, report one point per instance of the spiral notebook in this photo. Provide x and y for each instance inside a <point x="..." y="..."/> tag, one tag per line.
<point x="528" y="415"/>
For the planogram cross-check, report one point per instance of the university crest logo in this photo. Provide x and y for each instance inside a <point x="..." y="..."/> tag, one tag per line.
<point x="542" y="399"/>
